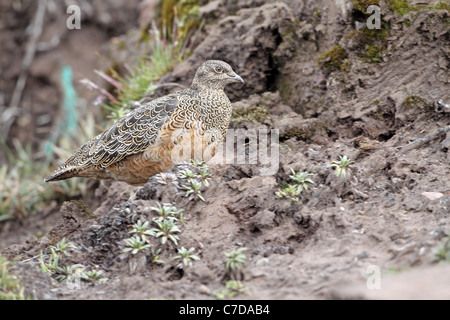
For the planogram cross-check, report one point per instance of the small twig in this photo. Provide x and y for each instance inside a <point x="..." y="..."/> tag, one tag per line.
<point x="92" y="86"/>
<point x="109" y="79"/>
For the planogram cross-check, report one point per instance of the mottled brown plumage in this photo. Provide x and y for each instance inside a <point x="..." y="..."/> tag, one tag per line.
<point x="188" y="124"/>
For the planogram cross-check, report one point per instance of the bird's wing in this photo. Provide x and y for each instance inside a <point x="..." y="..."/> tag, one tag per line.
<point x="130" y="135"/>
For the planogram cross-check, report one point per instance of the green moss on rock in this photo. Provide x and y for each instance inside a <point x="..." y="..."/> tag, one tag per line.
<point x="442" y="6"/>
<point x="334" y="59"/>
<point x="370" y="43"/>
<point x="400" y="7"/>
<point x="373" y="53"/>
<point x="415" y="102"/>
<point x="253" y="113"/>
<point x="304" y="131"/>
<point x="362" y="5"/>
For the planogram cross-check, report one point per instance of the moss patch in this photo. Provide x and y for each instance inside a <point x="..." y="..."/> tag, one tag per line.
<point x="370" y="43"/>
<point x="334" y="59"/>
<point x="304" y="132"/>
<point x="253" y="113"/>
<point x="442" y="6"/>
<point x="373" y="53"/>
<point x="415" y="102"/>
<point x="400" y="7"/>
<point x="362" y="5"/>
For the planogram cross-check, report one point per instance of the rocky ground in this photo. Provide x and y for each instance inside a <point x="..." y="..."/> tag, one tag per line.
<point x="330" y="90"/>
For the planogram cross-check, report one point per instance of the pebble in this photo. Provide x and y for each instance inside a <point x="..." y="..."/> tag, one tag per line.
<point x="432" y="195"/>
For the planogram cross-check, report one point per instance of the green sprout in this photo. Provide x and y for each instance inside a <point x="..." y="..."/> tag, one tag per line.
<point x="93" y="276"/>
<point x="301" y="179"/>
<point x="341" y="166"/>
<point x="198" y="163"/>
<point x="188" y="175"/>
<point x="235" y="286"/>
<point x="235" y="260"/>
<point x="289" y="191"/>
<point x="64" y="246"/>
<point x="196" y="179"/>
<point x="187" y="256"/>
<point x="51" y="266"/>
<point x="167" y="210"/>
<point x="136" y="244"/>
<point x="166" y="230"/>
<point x="155" y="255"/>
<point x="203" y="175"/>
<point x="141" y="229"/>
<point x="232" y="288"/>
<point x="10" y="286"/>
<point x="300" y="183"/>
<point x="194" y="188"/>
<point x="67" y="272"/>
<point x="442" y="252"/>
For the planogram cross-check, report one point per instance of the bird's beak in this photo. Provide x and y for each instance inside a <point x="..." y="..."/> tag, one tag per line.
<point x="236" y="77"/>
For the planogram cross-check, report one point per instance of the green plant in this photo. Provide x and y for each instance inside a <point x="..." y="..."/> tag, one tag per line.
<point x="442" y="252"/>
<point x="235" y="286"/>
<point x="292" y="191"/>
<point x="141" y="229"/>
<point x="341" y="166"/>
<point x="51" y="266"/>
<point x="301" y="179"/>
<point x="22" y="191"/>
<point x="135" y="244"/>
<point x="65" y="273"/>
<point x="203" y="172"/>
<point x="232" y="288"/>
<point x="195" y="179"/>
<point x="166" y="230"/>
<point x="64" y="247"/>
<point x="155" y="255"/>
<point x="93" y="276"/>
<point x="167" y="210"/>
<point x="10" y="286"/>
<point x="187" y="256"/>
<point x="194" y="187"/>
<point x="187" y="174"/>
<point x="289" y="191"/>
<point x="235" y="260"/>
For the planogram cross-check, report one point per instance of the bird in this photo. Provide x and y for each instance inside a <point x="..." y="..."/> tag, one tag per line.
<point x="189" y="124"/>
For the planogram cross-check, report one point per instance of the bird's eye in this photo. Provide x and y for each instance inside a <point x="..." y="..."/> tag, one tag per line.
<point x="218" y="69"/>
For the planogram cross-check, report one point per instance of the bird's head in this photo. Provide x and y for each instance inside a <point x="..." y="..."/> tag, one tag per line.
<point x="214" y="74"/>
